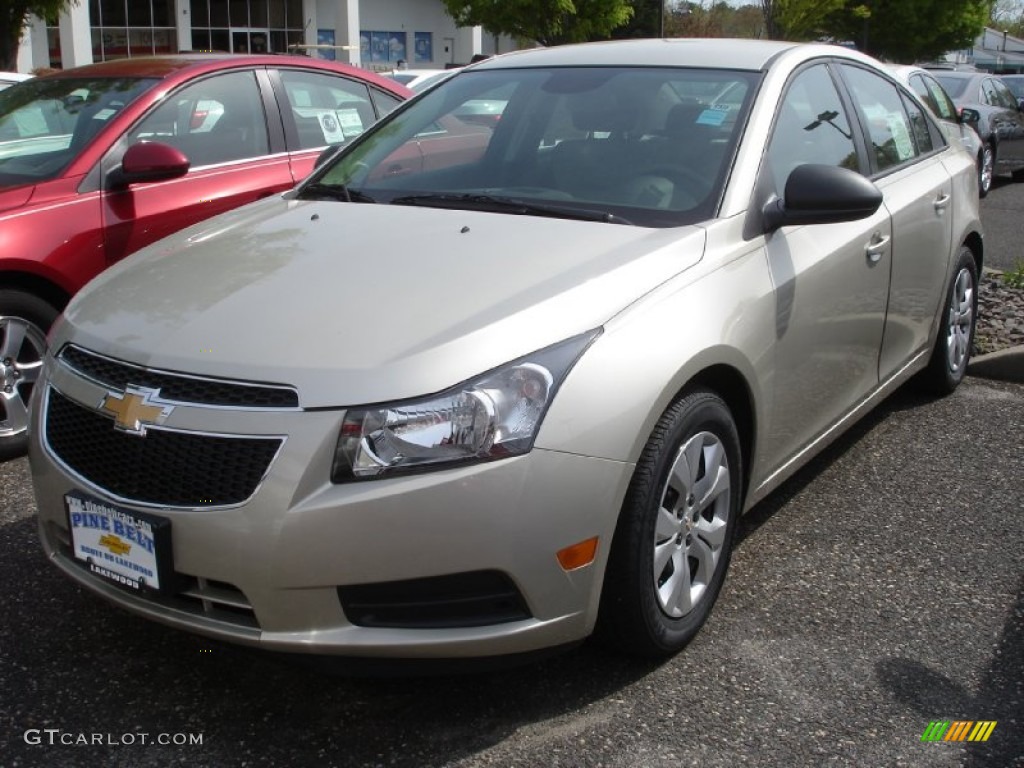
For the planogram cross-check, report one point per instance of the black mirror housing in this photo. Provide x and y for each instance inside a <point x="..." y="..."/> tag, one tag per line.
<point x="821" y="194"/>
<point x="969" y="116"/>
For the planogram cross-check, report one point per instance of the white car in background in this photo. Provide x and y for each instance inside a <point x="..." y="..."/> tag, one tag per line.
<point x="931" y="92"/>
<point x="417" y="79"/>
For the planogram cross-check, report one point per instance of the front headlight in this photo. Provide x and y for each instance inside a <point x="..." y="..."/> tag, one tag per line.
<point x="492" y="416"/>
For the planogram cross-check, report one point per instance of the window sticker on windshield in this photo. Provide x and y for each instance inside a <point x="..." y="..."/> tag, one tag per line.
<point x="350" y="121"/>
<point x="712" y="117"/>
<point x="103" y="114"/>
<point x="900" y="136"/>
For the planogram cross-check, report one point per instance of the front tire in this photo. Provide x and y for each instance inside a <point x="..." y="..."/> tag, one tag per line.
<point x="674" y="537"/>
<point x="948" y="364"/>
<point x="24" y="321"/>
<point x="986" y="168"/>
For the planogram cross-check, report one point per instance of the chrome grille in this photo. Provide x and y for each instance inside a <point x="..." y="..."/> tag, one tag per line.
<point x="176" y="387"/>
<point x="166" y="468"/>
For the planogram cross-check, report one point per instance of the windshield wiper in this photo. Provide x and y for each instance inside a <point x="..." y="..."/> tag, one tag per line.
<point x="321" y="191"/>
<point x="477" y="202"/>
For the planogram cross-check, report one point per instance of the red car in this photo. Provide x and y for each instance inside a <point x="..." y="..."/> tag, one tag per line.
<point x="98" y="161"/>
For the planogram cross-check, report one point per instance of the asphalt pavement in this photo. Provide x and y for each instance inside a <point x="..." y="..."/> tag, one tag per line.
<point x="878" y="591"/>
<point x="1004" y="232"/>
<point x="1004" y="251"/>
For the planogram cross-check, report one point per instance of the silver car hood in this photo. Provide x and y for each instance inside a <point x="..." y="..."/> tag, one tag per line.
<point x="365" y="303"/>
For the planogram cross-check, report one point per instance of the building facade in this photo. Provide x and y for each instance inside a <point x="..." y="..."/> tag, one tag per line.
<point x="993" y="51"/>
<point x="375" y="34"/>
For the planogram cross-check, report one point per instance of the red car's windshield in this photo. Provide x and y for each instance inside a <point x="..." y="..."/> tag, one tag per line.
<point x="45" y="122"/>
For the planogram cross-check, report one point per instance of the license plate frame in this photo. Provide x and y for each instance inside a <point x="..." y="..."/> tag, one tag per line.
<point x="122" y="546"/>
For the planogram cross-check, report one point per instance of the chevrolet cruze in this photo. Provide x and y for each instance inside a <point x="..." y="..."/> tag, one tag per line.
<point x="487" y="394"/>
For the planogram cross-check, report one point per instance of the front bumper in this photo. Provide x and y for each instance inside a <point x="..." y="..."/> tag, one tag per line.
<point x="267" y="572"/>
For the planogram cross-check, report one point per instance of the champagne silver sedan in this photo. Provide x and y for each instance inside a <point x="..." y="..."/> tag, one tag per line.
<point x="479" y="391"/>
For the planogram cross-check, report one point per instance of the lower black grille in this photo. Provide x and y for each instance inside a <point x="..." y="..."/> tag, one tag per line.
<point x="167" y="468"/>
<point x="474" y="599"/>
<point x="205" y="598"/>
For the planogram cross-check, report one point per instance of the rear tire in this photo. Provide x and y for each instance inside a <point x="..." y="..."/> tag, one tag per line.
<point x="674" y="536"/>
<point x="952" y="352"/>
<point x="24" y="322"/>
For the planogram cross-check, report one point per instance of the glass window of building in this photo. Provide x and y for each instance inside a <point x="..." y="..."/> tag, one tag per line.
<point x="244" y="26"/>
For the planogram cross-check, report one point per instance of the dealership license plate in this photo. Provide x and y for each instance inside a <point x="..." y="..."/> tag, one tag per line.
<point x="126" y="547"/>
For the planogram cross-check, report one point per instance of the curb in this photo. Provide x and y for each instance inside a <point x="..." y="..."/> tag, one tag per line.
<point x="1004" y="365"/>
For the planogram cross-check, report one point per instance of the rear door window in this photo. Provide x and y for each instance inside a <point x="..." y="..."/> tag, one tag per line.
<point x="894" y="136"/>
<point x="325" y="109"/>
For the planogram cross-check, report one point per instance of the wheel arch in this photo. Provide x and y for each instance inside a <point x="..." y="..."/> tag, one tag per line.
<point x="974" y="241"/>
<point x="729" y="384"/>
<point x="37" y="285"/>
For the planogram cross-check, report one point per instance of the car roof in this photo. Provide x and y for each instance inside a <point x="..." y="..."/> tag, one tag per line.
<point x="715" y="53"/>
<point x="184" y="63"/>
<point x="953" y="74"/>
<point x="905" y="70"/>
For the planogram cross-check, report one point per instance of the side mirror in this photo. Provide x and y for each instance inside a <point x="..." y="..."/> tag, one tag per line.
<point x="822" y="194"/>
<point x="969" y="116"/>
<point x="148" y="161"/>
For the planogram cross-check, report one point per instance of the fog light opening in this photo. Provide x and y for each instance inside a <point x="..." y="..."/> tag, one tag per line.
<point x="578" y="555"/>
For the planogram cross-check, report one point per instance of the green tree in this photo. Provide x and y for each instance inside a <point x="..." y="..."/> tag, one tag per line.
<point x="798" y="19"/>
<point x="745" y="21"/>
<point x="646" y="20"/>
<point x="548" y="22"/>
<point x="1008" y="16"/>
<point x="15" y="15"/>
<point x="910" y="30"/>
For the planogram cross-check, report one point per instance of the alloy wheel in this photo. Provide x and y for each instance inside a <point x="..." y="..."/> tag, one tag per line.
<point x="22" y="347"/>
<point x="960" y="320"/>
<point x="692" y="523"/>
<point x="986" y="168"/>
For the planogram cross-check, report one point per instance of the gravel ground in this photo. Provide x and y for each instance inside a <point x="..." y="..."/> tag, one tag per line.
<point x="1000" y="315"/>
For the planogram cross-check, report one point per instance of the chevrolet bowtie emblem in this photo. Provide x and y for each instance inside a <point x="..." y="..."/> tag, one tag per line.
<point x="115" y="544"/>
<point x="135" y="409"/>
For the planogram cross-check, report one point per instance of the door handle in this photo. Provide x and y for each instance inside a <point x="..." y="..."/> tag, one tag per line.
<point x="877" y="247"/>
<point x="942" y="202"/>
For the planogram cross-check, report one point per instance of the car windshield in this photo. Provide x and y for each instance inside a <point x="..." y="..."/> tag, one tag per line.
<point x="955" y="86"/>
<point x="643" y="146"/>
<point x="45" y="122"/>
